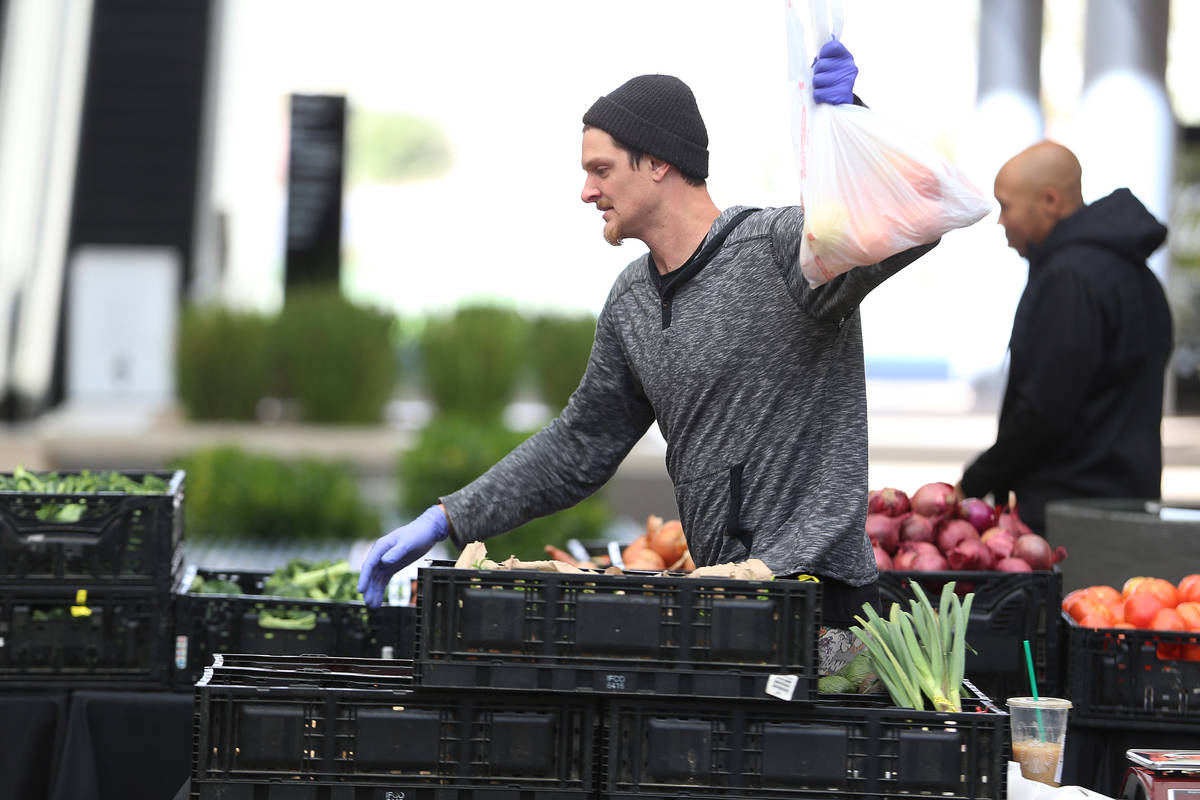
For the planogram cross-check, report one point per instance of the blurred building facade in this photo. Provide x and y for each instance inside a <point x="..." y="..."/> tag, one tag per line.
<point x="111" y="114"/>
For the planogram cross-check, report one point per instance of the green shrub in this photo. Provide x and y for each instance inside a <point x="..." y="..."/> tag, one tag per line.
<point x="472" y="360"/>
<point x="231" y="493"/>
<point x="451" y="452"/>
<point x="337" y="358"/>
<point x="222" y="363"/>
<point x="559" y="347"/>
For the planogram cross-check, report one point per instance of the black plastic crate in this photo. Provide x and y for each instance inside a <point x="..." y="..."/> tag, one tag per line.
<point x="1009" y="607"/>
<point x="726" y="750"/>
<point x="252" y="669"/>
<point x="119" y="539"/>
<point x="368" y="726"/>
<point x="207" y="624"/>
<point x="52" y="636"/>
<point x="277" y="789"/>
<point x="625" y="634"/>
<point x="1132" y="675"/>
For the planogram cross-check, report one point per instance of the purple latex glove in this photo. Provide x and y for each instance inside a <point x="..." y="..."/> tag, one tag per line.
<point x="394" y="551"/>
<point x="833" y="74"/>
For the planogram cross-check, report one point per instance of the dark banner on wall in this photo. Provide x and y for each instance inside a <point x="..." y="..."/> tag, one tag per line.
<point x="316" y="157"/>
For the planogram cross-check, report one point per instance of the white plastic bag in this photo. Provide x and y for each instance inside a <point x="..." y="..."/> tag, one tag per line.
<point x="868" y="188"/>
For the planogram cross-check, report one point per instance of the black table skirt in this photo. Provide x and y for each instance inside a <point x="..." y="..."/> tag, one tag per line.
<point x="32" y="727"/>
<point x="95" y="745"/>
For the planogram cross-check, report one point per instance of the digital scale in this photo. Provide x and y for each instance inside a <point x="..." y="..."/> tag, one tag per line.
<point x="1162" y="775"/>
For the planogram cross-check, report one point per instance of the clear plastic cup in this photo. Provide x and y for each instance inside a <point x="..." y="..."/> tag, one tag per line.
<point x="1039" y="732"/>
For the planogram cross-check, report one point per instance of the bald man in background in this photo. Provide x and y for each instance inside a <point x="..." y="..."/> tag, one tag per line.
<point x="1082" y="409"/>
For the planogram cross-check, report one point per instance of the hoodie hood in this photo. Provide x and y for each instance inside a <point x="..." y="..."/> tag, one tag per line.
<point x="1118" y="222"/>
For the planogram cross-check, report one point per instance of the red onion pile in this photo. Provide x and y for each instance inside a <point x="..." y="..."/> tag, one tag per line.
<point x="932" y="531"/>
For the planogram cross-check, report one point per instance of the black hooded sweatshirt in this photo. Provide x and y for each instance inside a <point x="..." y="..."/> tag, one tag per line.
<point x="1082" y="409"/>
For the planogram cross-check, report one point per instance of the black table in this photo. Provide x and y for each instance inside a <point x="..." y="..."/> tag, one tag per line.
<point x="32" y="727"/>
<point x="95" y="745"/>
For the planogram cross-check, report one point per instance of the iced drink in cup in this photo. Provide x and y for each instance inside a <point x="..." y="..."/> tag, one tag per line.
<point x="1039" y="730"/>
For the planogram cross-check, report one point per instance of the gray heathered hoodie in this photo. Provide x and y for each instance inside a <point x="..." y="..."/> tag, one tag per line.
<point x="757" y="384"/>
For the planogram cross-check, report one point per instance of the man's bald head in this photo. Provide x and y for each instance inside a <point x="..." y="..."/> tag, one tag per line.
<point x="1036" y="188"/>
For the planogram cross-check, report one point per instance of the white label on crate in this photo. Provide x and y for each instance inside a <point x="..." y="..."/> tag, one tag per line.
<point x="181" y="649"/>
<point x="386" y="651"/>
<point x="782" y="686"/>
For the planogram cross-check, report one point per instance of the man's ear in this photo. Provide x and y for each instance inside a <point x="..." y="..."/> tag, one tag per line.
<point x="658" y="169"/>
<point x="1054" y="201"/>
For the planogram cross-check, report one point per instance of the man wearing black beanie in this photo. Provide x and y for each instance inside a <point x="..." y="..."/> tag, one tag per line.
<point x="755" y="379"/>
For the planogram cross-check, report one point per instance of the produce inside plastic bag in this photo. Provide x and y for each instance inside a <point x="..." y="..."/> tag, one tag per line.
<point x="869" y="189"/>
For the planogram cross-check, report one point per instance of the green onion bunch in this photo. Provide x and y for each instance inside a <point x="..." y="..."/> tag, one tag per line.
<point x="920" y="654"/>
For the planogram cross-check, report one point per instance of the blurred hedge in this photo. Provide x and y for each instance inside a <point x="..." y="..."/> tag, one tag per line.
<point x="335" y="359"/>
<point x="472" y="360"/>
<point x="559" y="346"/>
<point x="340" y="363"/>
<point x="223" y="363"/>
<point x="231" y="493"/>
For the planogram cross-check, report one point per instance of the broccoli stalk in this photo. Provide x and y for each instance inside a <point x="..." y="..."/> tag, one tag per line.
<point x="311" y="578"/>
<point x="301" y="621"/>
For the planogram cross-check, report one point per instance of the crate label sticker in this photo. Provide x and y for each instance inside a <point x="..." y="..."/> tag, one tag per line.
<point x="615" y="682"/>
<point x="782" y="686"/>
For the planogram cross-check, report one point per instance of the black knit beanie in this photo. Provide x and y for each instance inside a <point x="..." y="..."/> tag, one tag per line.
<point x="656" y="114"/>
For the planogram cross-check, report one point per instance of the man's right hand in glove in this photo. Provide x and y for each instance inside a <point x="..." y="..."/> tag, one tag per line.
<point x="394" y="551"/>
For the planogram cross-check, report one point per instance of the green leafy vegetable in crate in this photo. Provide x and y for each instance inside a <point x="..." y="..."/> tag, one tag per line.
<point x="857" y="677"/>
<point x="922" y="652"/>
<point x="299" y="579"/>
<point x="321" y="580"/>
<point x="213" y="586"/>
<point x="83" y="482"/>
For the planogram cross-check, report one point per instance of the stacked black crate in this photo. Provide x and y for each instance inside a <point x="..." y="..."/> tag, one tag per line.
<point x="249" y="621"/>
<point x="278" y="727"/>
<point x="538" y="685"/>
<point x="86" y="583"/>
<point x="1130" y="688"/>
<point x="706" y="687"/>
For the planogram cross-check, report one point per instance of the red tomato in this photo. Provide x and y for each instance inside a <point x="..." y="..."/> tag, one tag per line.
<point x="1087" y="607"/>
<point x="1070" y="599"/>
<point x="1108" y="597"/>
<point x="1140" y="608"/>
<point x="1131" y="584"/>
<point x="1096" y="619"/>
<point x="1189" y="612"/>
<point x="1189" y="588"/>
<point x="1164" y="590"/>
<point x="1105" y="594"/>
<point x="1168" y="619"/>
